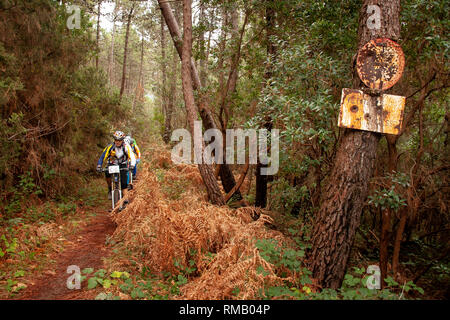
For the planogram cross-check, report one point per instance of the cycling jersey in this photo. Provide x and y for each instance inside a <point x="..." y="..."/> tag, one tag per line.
<point x="117" y="155"/>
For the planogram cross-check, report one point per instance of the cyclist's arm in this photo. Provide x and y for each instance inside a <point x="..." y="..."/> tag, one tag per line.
<point x="104" y="155"/>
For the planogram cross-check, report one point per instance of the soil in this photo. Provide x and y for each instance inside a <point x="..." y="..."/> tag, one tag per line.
<point x="86" y="249"/>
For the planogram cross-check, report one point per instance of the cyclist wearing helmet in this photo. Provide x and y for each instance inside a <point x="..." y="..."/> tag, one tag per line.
<point x="137" y="153"/>
<point x="119" y="153"/>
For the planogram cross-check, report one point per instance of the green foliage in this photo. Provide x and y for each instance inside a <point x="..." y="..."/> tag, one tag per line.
<point x="281" y="257"/>
<point x="101" y="278"/>
<point x="7" y="247"/>
<point x="354" y="285"/>
<point x="390" y="198"/>
<point x="284" y="196"/>
<point x="385" y="199"/>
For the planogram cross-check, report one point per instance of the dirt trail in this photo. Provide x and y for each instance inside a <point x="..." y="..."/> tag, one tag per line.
<point x="86" y="250"/>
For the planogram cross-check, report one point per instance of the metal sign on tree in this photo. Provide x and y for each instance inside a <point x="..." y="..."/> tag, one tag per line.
<point x="380" y="63"/>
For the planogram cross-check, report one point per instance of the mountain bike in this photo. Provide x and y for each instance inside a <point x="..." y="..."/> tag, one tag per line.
<point x="116" y="191"/>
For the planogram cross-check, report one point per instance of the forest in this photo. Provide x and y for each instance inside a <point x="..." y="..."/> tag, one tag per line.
<point x="336" y="188"/>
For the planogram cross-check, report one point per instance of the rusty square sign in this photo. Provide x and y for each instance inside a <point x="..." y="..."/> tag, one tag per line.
<point x="361" y="111"/>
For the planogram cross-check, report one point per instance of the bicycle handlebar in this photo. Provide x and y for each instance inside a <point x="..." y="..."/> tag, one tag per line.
<point x="121" y="169"/>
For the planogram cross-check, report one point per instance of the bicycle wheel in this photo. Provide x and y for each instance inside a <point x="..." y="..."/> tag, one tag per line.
<point x="115" y="197"/>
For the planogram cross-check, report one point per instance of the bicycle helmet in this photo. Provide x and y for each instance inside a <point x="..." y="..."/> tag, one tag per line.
<point x="118" y="135"/>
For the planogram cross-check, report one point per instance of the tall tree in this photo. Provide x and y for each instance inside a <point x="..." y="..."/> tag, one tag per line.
<point x="111" y="50"/>
<point x="164" y="106"/>
<point x="140" y="86"/>
<point x="261" y="180"/>
<point x="206" y="170"/>
<point x="226" y="174"/>
<point x="339" y="216"/>
<point x="98" y="33"/>
<point x="125" y="50"/>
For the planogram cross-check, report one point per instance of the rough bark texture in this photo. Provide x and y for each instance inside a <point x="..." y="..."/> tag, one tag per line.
<point x="206" y="171"/>
<point x="347" y="190"/>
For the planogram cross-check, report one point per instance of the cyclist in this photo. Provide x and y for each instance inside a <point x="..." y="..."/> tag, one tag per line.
<point x="137" y="153"/>
<point x="117" y="153"/>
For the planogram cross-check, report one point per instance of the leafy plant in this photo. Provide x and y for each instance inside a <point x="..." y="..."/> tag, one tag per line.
<point x="385" y="199"/>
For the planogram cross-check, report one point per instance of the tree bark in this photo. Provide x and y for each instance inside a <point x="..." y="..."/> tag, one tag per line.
<point x="226" y="174"/>
<point x="347" y="190"/>
<point x="206" y="170"/>
<point x="111" y="53"/>
<point x="220" y="62"/>
<point x="164" y="106"/>
<point x="98" y="34"/>
<point x="139" y="87"/>
<point x="201" y="43"/>
<point x="125" y="51"/>
<point x="230" y="88"/>
<point x="170" y="100"/>
<point x="262" y="180"/>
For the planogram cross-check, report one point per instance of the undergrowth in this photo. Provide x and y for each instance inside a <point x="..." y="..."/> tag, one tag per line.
<point x="34" y="230"/>
<point x="176" y="246"/>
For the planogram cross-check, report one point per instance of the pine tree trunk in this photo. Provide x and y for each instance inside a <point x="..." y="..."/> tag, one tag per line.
<point x="201" y="41"/>
<point x="98" y="34"/>
<point x="125" y="52"/>
<point x="206" y="171"/>
<point x="344" y="197"/>
<point x="139" y="87"/>
<point x="226" y="174"/>
<point x="261" y="180"/>
<point x="171" y="100"/>
<point x="111" y="53"/>
<point x="164" y="107"/>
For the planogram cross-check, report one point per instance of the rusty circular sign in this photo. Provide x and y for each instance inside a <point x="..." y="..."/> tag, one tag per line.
<point x="380" y="63"/>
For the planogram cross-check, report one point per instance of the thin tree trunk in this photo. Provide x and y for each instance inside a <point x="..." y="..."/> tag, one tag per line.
<point x="386" y="215"/>
<point x="206" y="170"/>
<point x="393" y="153"/>
<point x="230" y="88"/>
<point x="163" y="73"/>
<point x="125" y="52"/>
<point x="98" y="34"/>
<point x="171" y="100"/>
<point x="261" y="180"/>
<point x="139" y="86"/>
<point x="398" y="241"/>
<point x="201" y="43"/>
<point x="345" y="195"/>
<point x="111" y="54"/>
<point x="220" y="63"/>
<point x="226" y="175"/>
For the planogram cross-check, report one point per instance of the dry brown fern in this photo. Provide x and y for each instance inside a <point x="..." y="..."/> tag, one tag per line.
<point x="219" y="240"/>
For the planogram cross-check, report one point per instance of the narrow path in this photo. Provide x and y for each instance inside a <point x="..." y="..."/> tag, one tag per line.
<point x="86" y="250"/>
